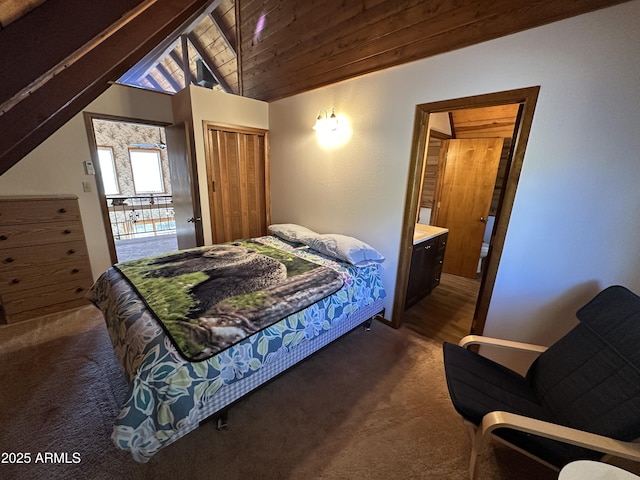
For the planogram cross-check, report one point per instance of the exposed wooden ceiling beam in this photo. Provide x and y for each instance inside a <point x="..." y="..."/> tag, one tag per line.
<point x="22" y="72"/>
<point x="153" y="58"/>
<point x="10" y="11"/>
<point x="172" y="81"/>
<point x="154" y="83"/>
<point x="148" y="63"/>
<point x="40" y="113"/>
<point x="186" y="69"/>
<point x="176" y="58"/>
<point x="225" y="34"/>
<point x="208" y="61"/>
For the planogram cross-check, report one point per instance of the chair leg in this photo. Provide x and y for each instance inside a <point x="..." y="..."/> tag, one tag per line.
<point x="477" y="443"/>
<point x="473" y="464"/>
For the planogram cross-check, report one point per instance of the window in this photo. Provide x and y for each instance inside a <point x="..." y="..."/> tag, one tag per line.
<point x="147" y="170"/>
<point x="108" y="171"/>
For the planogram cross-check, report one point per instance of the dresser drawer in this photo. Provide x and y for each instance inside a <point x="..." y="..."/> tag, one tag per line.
<point x="13" y="259"/>
<point x="12" y="236"/>
<point x="39" y="312"/>
<point x="14" y="210"/>
<point x="49" y="295"/>
<point x="71" y="270"/>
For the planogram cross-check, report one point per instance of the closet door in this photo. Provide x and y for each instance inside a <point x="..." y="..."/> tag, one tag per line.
<point x="237" y="172"/>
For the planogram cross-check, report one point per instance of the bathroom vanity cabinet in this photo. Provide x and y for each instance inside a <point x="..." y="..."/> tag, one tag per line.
<point x="426" y="267"/>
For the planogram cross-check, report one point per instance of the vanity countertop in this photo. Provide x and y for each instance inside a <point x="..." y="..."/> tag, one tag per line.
<point x="425" y="232"/>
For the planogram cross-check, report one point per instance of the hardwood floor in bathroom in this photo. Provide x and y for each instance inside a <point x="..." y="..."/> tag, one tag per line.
<point x="447" y="312"/>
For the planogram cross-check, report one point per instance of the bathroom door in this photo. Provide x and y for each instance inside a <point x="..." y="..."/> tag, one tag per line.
<point x="464" y="198"/>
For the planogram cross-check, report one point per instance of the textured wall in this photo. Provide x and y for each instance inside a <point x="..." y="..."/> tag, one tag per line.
<point x="120" y="137"/>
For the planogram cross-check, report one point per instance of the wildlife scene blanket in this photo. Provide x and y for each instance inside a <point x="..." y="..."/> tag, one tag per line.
<point x="210" y="298"/>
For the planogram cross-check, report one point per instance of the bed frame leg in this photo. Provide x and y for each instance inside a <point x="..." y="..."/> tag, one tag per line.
<point x="367" y="323"/>
<point x="222" y="421"/>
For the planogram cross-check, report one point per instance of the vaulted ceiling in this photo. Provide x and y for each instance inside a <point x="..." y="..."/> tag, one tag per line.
<point x="208" y="47"/>
<point x="59" y="55"/>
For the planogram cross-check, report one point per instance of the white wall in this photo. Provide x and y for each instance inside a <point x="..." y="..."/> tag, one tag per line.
<point x="576" y="218"/>
<point x="198" y="104"/>
<point x="56" y="166"/>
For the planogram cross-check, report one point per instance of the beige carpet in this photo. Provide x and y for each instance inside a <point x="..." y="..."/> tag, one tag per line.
<point x="373" y="405"/>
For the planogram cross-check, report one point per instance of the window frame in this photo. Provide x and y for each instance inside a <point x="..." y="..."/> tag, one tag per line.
<point x="158" y="153"/>
<point x="114" y="169"/>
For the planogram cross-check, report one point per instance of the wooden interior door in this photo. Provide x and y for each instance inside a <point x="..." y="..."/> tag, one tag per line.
<point x="464" y="199"/>
<point x="237" y="172"/>
<point x="186" y="203"/>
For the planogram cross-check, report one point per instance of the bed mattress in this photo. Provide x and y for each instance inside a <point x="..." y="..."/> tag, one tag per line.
<point x="169" y="396"/>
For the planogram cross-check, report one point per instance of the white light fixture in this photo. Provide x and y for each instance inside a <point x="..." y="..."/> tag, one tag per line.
<point x="324" y="123"/>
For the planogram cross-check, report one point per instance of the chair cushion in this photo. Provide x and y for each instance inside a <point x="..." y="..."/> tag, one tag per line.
<point x="590" y="378"/>
<point x="478" y="385"/>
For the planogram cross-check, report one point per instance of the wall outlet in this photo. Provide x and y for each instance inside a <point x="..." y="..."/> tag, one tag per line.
<point x="86" y="186"/>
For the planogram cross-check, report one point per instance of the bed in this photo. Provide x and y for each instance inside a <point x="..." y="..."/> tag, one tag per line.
<point x="169" y="395"/>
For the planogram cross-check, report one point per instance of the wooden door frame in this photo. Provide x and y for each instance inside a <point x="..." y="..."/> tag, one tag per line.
<point x="227" y="127"/>
<point x="93" y="148"/>
<point x="527" y="97"/>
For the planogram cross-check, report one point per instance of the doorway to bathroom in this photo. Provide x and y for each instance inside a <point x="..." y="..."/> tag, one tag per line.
<point x="476" y="228"/>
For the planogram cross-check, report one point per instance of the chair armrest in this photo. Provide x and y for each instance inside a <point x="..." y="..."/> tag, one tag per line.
<point x="592" y="441"/>
<point x="469" y="340"/>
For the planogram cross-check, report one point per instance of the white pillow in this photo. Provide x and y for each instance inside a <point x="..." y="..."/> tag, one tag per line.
<point x="346" y="248"/>
<point x="292" y="232"/>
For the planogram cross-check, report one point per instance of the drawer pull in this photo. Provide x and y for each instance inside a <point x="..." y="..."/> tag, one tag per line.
<point x="427" y="247"/>
<point x="8" y="260"/>
<point x="15" y="281"/>
<point x="62" y="210"/>
<point x="79" y="289"/>
<point x="71" y="251"/>
<point x="3" y="237"/>
<point x="75" y="270"/>
<point x="67" y="231"/>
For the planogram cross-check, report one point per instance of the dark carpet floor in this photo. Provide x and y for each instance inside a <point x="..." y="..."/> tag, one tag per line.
<point x="373" y="405"/>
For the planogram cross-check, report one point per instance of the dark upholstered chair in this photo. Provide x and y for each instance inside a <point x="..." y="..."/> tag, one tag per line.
<point x="580" y="399"/>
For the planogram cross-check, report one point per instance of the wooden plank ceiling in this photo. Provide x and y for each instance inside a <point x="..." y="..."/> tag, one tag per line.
<point x="485" y="122"/>
<point x="263" y="49"/>
<point x="288" y="47"/>
<point x="210" y="45"/>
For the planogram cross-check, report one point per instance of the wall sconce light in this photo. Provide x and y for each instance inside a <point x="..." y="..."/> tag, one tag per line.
<point x="326" y="123"/>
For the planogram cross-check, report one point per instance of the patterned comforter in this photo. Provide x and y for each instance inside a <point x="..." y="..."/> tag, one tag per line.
<point x="169" y="395"/>
<point x="210" y="298"/>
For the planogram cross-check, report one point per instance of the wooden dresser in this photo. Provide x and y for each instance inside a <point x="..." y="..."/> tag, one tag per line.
<point x="44" y="263"/>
